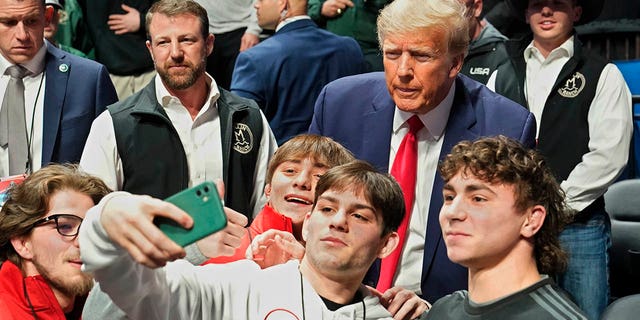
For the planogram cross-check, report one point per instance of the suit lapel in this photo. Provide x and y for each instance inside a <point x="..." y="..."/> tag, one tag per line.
<point x="57" y="71"/>
<point x="378" y="124"/>
<point x="460" y="126"/>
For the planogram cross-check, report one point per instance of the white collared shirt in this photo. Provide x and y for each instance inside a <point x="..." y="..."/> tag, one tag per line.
<point x="289" y="20"/>
<point x="430" y="138"/>
<point x="200" y="137"/>
<point x="34" y="88"/>
<point x="540" y="72"/>
<point x="609" y="119"/>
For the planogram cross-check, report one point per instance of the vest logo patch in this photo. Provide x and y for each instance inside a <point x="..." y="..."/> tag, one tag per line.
<point x="243" y="138"/>
<point x="573" y="86"/>
<point x="479" y="70"/>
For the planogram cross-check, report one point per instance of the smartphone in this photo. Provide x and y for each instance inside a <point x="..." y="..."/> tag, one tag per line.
<point x="203" y="204"/>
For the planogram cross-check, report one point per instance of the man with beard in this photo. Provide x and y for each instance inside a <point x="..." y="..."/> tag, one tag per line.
<point x="182" y="129"/>
<point x="40" y="277"/>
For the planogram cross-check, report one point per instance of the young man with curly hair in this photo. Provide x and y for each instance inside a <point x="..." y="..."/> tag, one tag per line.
<point x="502" y="213"/>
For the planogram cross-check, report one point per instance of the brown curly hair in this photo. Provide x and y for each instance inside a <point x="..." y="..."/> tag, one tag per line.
<point x="503" y="160"/>
<point x="28" y="201"/>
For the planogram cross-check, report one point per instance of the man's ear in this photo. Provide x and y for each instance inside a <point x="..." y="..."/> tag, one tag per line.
<point x="456" y="65"/>
<point x="477" y="8"/>
<point x="305" y="231"/>
<point x="267" y="190"/>
<point x="388" y="245"/>
<point x="209" y="42"/>
<point x="578" y="12"/>
<point x="22" y="245"/>
<point x="148" y="43"/>
<point x="533" y="221"/>
<point x="282" y="5"/>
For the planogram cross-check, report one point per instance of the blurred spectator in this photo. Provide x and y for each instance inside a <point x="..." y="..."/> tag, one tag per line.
<point x="235" y="28"/>
<point x="51" y="29"/>
<point x="72" y="29"/>
<point x="118" y="34"/>
<point x="356" y="19"/>
<point x="486" y="50"/>
<point x="504" y="19"/>
<point x="285" y="73"/>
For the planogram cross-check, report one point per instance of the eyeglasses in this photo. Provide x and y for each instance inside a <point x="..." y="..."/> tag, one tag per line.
<point x="66" y="224"/>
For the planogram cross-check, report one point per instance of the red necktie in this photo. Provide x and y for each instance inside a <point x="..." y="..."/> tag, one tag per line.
<point x="404" y="170"/>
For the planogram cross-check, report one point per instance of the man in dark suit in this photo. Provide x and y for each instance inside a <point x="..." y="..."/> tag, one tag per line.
<point x="62" y="93"/>
<point x="423" y="45"/>
<point x="285" y="73"/>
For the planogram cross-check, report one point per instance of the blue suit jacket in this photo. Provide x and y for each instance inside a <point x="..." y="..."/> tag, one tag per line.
<point x="77" y="90"/>
<point x="285" y="73"/>
<point x="358" y="112"/>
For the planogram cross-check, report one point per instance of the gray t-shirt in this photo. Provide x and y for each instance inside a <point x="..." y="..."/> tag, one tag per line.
<point x="542" y="300"/>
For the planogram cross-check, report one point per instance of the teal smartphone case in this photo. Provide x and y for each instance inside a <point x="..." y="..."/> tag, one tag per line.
<point x="203" y="204"/>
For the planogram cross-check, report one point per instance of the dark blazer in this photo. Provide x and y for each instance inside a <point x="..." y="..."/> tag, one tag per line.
<point x="285" y="73"/>
<point x="358" y="112"/>
<point x="77" y="90"/>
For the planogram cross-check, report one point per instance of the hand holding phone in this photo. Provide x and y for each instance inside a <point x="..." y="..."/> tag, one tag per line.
<point x="203" y="204"/>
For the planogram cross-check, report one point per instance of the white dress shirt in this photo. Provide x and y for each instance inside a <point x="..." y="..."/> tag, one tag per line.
<point x="200" y="138"/>
<point x="609" y="118"/>
<point x="289" y="20"/>
<point x="34" y="88"/>
<point x="430" y="138"/>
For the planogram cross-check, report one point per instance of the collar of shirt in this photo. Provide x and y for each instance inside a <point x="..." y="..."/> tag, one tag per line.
<point x="35" y="65"/>
<point x="166" y="100"/>
<point x="435" y="120"/>
<point x="564" y="50"/>
<point x="289" y="20"/>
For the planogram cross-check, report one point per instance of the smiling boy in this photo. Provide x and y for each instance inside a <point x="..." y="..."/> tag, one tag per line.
<point x="292" y="175"/>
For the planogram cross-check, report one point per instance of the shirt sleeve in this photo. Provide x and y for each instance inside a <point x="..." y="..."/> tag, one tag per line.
<point x="100" y="155"/>
<point x="610" y="130"/>
<point x="177" y="291"/>
<point x="314" y="10"/>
